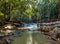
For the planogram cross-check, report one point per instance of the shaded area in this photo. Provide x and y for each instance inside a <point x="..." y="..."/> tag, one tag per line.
<point x="21" y="40"/>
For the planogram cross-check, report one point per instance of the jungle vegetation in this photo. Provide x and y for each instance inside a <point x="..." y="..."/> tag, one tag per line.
<point x="29" y="10"/>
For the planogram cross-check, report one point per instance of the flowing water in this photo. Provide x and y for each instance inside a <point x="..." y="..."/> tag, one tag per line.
<point x="32" y="37"/>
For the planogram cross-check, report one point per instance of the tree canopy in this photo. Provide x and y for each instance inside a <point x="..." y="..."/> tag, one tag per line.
<point x="29" y="10"/>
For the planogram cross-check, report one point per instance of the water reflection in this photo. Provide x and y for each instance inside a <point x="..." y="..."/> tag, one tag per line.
<point x="29" y="40"/>
<point x="31" y="37"/>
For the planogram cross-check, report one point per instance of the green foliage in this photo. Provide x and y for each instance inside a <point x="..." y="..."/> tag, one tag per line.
<point x="29" y="10"/>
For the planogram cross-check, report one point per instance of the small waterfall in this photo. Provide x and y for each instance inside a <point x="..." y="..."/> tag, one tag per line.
<point x="29" y="41"/>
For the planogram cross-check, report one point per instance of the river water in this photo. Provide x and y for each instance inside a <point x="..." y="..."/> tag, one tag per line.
<point x="32" y="38"/>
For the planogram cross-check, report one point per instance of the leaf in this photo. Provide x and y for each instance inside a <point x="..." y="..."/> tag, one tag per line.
<point x="28" y="11"/>
<point x="7" y="0"/>
<point x="1" y="14"/>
